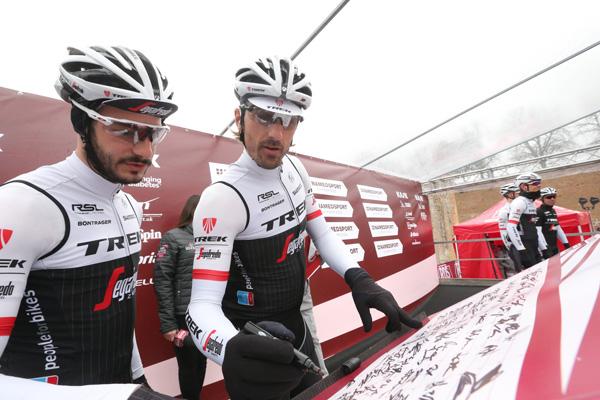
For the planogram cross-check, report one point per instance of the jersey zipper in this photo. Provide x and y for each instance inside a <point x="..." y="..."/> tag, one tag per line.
<point x="288" y="195"/>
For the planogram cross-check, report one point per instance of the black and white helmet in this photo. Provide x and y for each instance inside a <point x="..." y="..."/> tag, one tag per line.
<point x="528" y="178"/>
<point x="548" y="191"/>
<point x="116" y="76"/>
<point x="274" y="82"/>
<point x="508" y="188"/>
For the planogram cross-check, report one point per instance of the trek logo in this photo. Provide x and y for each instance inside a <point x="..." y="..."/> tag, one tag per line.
<point x="222" y="240"/>
<point x="11" y="263"/>
<point x="194" y="328"/>
<point x="285" y="218"/>
<point x="117" y="242"/>
<point x="208" y="224"/>
<point x="118" y="289"/>
<point x="85" y="208"/>
<point x="6" y="290"/>
<point x="5" y="235"/>
<point x="266" y="196"/>
<point x="146" y="108"/>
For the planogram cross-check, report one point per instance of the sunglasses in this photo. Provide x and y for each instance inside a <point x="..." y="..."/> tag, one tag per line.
<point x="550" y="197"/>
<point x="132" y="131"/>
<point x="268" y="118"/>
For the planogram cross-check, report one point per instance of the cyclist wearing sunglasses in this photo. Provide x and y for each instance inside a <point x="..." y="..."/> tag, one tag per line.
<point x="522" y="220"/>
<point x="548" y="222"/>
<point x="250" y="260"/>
<point x="70" y="237"/>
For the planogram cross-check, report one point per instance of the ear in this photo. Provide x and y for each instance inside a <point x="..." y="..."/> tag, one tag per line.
<point x="238" y="118"/>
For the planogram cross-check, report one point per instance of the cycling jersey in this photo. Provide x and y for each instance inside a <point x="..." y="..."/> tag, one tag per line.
<point x="502" y="221"/>
<point x="249" y="231"/>
<point x="522" y="219"/>
<point x="69" y="249"/>
<point x="548" y="221"/>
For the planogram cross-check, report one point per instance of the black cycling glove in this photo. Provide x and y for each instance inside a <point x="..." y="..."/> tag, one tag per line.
<point x="259" y="368"/>
<point x="566" y="245"/>
<point x="367" y="294"/>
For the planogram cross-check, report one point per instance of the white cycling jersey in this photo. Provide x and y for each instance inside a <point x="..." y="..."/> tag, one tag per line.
<point x="502" y="222"/>
<point x="69" y="249"/>
<point x="522" y="220"/>
<point x="249" y="231"/>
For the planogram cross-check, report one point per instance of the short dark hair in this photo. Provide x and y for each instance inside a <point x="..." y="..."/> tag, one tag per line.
<point x="187" y="214"/>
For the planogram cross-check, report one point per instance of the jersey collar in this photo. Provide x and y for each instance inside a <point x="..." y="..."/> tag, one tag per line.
<point x="93" y="182"/>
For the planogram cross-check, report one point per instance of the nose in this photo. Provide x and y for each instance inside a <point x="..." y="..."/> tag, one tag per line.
<point x="144" y="148"/>
<point x="276" y="130"/>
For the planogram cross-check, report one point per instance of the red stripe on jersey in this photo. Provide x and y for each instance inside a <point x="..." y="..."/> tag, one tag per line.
<point x="6" y="325"/>
<point x="512" y="221"/>
<point x="210" y="275"/>
<point x="314" y="214"/>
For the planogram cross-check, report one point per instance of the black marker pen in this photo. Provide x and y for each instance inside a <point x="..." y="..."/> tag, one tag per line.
<point x="300" y="358"/>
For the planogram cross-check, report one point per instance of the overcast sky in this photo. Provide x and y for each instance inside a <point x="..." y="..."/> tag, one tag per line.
<point x="382" y="71"/>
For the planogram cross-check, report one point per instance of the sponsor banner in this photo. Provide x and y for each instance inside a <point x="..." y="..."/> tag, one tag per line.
<point x="374" y="210"/>
<point x="216" y="170"/>
<point x="335" y="208"/>
<point x="408" y="215"/>
<point x="386" y="248"/>
<point x="329" y="187"/>
<point x="371" y="193"/>
<point x="148" y="182"/>
<point x="150" y="235"/>
<point x="449" y="270"/>
<point x="147" y="208"/>
<point x="402" y="195"/>
<point x="344" y="230"/>
<point x="386" y="228"/>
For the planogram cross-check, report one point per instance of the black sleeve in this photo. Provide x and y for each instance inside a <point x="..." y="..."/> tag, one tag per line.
<point x="541" y="217"/>
<point x="164" y="282"/>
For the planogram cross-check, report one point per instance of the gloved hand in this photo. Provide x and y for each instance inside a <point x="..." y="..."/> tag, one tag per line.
<point x="566" y="245"/>
<point x="546" y="254"/>
<point x="367" y="294"/>
<point x="259" y="368"/>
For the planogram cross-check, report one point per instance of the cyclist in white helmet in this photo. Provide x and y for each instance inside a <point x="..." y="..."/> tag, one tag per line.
<point x="548" y="222"/>
<point x="522" y="219"/>
<point x="509" y="191"/>
<point x="250" y="228"/>
<point x="71" y="238"/>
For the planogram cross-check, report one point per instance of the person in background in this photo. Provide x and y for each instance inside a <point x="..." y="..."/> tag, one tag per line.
<point x="548" y="222"/>
<point x="509" y="191"/>
<point x="173" y="286"/>
<point x="522" y="220"/>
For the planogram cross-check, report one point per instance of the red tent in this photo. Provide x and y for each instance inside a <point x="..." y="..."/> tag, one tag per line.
<point x="486" y="226"/>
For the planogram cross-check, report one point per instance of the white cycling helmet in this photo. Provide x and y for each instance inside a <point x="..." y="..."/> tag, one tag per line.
<point x="274" y="84"/>
<point x="116" y="76"/>
<point x="528" y="178"/>
<point x="508" y="188"/>
<point x="548" y="191"/>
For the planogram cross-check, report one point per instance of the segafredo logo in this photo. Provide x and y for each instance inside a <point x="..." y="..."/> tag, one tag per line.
<point x="146" y="108"/>
<point x="208" y="224"/>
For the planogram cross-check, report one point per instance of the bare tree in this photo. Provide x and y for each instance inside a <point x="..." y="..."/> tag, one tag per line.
<point x="591" y="126"/>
